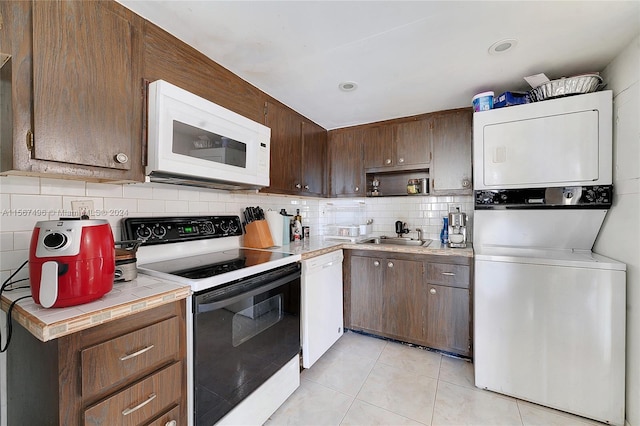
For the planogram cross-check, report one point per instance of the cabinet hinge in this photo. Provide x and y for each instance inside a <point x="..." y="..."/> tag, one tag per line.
<point x="266" y="108"/>
<point x="431" y="126"/>
<point x="1" y="21"/>
<point x="29" y="140"/>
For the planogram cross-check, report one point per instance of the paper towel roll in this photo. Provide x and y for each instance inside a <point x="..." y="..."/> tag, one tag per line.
<point x="274" y="219"/>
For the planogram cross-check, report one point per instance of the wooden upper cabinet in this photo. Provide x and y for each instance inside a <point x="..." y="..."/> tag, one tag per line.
<point x="286" y="148"/>
<point x="413" y="141"/>
<point x="346" y="163"/>
<point x="86" y="87"/>
<point x="76" y="90"/>
<point x="378" y="147"/>
<point x="451" y="170"/>
<point x="314" y="159"/>
<point x="398" y="145"/>
<point x="298" y="152"/>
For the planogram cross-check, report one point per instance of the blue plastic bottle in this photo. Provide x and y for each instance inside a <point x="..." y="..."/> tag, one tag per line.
<point x="444" y="234"/>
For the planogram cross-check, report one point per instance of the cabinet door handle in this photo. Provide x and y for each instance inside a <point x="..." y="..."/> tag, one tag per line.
<point x="139" y="406"/>
<point x="449" y="274"/>
<point x="387" y="161"/>
<point x="432" y="291"/>
<point x="357" y="188"/>
<point x="298" y="186"/>
<point x="400" y="160"/>
<point x="306" y="187"/>
<point x="390" y="264"/>
<point x="376" y="263"/>
<point x="135" y="354"/>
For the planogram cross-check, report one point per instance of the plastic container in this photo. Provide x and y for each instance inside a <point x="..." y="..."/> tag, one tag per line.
<point x="482" y="101"/>
<point x="444" y="234"/>
<point x="510" y="99"/>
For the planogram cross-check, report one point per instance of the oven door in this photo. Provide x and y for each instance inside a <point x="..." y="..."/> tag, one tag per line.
<point x="244" y="333"/>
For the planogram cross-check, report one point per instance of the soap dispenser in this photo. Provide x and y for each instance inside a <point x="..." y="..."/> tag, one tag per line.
<point x="444" y="234"/>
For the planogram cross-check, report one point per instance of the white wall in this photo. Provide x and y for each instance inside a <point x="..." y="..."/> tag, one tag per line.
<point x="619" y="237"/>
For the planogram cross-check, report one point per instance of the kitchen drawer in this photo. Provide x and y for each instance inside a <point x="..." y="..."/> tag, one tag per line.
<point x="447" y="274"/>
<point x="129" y="357"/>
<point x="139" y="402"/>
<point x="169" y="418"/>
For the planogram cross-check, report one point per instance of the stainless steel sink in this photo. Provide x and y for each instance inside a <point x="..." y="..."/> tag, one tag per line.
<point x="397" y="241"/>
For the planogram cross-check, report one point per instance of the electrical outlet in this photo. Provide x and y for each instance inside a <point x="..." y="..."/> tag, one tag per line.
<point x="82" y="207"/>
<point x="453" y="208"/>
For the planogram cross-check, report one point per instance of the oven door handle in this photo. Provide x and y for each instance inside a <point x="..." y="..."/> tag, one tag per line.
<point x="208" y="307"/>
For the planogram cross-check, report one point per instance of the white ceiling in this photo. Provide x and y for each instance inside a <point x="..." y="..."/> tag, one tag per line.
<point x="407" y="57"/>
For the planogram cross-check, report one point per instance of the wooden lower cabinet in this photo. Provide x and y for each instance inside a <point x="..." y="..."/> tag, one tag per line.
<point x="447" y="319"/>
<point x="130" y="371"/>
<point x="411" y="298"/>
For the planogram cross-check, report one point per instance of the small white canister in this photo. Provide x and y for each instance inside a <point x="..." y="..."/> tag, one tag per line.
<point x="482" y="101"/>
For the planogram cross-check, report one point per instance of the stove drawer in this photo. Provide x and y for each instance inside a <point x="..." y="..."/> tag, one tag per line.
<point x="140" y="402"/>
<point x="129" y="357"/>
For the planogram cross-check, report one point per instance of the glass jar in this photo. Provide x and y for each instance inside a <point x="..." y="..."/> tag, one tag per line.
<point x="413" y="186"/>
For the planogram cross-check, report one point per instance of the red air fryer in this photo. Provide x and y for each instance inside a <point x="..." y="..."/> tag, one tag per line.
<point x="71" y="262"/>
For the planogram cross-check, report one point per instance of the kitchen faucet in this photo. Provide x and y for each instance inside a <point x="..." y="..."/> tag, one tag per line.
<point x="401" y="229"/>
<point x="419" y="233"/>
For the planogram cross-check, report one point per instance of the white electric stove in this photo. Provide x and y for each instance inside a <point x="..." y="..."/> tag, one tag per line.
<point x="243" y="318"/>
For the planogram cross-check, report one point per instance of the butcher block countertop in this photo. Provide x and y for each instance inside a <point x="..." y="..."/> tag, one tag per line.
<point x="126" y="298"/>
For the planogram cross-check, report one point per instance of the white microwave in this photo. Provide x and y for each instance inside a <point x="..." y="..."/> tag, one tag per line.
<point x="559" y="142"/>
<point x="193" y="141"/>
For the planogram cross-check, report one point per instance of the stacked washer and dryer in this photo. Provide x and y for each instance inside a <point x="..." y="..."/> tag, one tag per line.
<point x="549" y="314"/>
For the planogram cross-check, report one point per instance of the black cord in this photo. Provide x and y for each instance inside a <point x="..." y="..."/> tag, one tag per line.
<point x="8" y="282"/>
<point x="10" y="285"/>
<point x="10" y="323"/>
<point x="5" y="284"/>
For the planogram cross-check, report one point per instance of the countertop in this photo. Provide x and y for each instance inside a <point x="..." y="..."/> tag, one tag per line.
<point x="126" y="298"/>
<point x="146" y="292"/>
<point x="318" y="245"/>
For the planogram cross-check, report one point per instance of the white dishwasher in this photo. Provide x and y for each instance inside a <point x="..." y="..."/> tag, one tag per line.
<point x="322" y="314"/>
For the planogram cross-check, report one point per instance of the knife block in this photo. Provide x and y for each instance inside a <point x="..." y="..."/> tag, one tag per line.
<point x="257" y="235"/>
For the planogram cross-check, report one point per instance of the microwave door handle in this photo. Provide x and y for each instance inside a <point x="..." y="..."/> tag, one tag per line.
<point x="208" y="307"/>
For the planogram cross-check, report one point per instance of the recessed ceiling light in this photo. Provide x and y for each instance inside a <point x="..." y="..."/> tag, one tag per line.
<point x="502" y="46"/>
<point x="348" y="86"/>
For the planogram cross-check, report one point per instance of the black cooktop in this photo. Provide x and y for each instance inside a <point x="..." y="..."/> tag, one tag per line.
<point x="215" y="263"/>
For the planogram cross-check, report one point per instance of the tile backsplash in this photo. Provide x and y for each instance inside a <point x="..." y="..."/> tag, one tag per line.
<point x="26" y="200"/>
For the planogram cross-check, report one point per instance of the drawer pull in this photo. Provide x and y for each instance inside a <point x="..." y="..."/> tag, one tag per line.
<point x="139" y="406"/>
<point x="135" y="354"/>
<point x="449" y="274"/>
<point x="432" y="291"/>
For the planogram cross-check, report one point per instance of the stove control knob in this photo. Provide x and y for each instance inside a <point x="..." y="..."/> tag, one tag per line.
<point x="224" y="227"/>
<point x="208" y="228"/>
<point x="143" y="232"/>
<point x="159" y="231"/>
<point x="233" y="227"/>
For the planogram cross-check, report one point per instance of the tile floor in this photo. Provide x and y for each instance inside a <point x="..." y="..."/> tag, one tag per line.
<point x="363" y="380"/>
